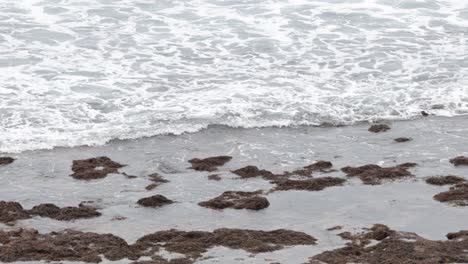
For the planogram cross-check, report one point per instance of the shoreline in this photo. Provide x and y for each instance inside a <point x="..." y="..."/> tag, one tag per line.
<point x="406" y="204"/>
<point x="222" y="126"/>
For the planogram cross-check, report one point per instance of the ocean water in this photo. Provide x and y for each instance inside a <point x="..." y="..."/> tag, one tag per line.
<point x="83" y="72"/>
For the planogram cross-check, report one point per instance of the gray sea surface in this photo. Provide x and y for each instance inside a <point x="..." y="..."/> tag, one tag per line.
<point x="42" y="176"/>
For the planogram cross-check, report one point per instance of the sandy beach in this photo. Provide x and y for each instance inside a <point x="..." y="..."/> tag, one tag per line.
<point x="403" y="204"/>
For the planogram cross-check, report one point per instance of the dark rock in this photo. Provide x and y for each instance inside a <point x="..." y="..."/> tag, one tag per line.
<point x="333" y="228"/>
<point x="29" y="245"/>
<point x="237" y="200"/>
<point x="253" y="171"/>
<point x="315" y="184"/>
<point x="6" y="160"/>
<point x="460" y="160"/>
<point x="373" y="174"/>
<point x="379" y="128"/>
<point x="69" y="245"/>
<point x="94" y="168"/>
<point x="65" y="213"/>
<point x="11" y="212"/>
<point x="457" y="195"/>
<point x="209" y="164"/>
<point x="402" y="139"/>
<point x="154" y="201"/>
<point x="444" y="180"/>
<point x="320" y="165"/>
<point x="396" y="247"/>
<point x="424" y="113"/>
<point x="214" y="177"/>
<point x="195" y="243"/>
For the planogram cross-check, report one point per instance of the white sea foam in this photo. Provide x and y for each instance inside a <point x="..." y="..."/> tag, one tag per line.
<point x="85" y="72"/>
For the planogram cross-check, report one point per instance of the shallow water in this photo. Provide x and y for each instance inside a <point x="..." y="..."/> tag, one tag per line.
<point x="83" y="72"/>
<point x="406" y="205"/>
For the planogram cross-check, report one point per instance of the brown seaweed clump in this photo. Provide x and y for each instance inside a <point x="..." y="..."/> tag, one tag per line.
<point x="13" y="211"/>
<point x="460" y="160"/>
<point x="396" y="247"/>
<point x="373" y="174"/>
<point x="315" y="184"/>
<point x="209" y="164"/>
<point x="94" y="168"/>
<point x="6" y="160"/>
<point x="252" y="172"/>
<point x="457" y="195"/>
<point x="238" y="200"/>
<point x="444" y="180"/>
<point x="194" y="243"/>
<point x="379" y="128"/>
<point x="154" y="201"/>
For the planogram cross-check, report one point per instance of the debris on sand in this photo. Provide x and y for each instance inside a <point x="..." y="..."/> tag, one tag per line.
<point x="373" y="174"/>
<point x="157" y="180"/>
<point x="460" y="160"/>
<point x="402" y="139"/>
<point x="315" y="184"/>
<point x="396" y="247"/>
<point x="13" y="211"/>
<point x="6" y="160"/>
<point x="424" y="113"/>
<point x="379" y="128"/>
<point x="457" y="195"/>
<point x="209" y="164"/>
<point x="94" y="168"/>
<point x="253" y="171"/>
<point x="214" y="177"/>
<point x="194" y="243"/>
<point x="321" y="165"/>
<point x="238" y="200"/>
<point x="154" y="201"/>
<point x="444" y="180"/>
<point x="64" y="214"/>
<point x="29" y="245"/>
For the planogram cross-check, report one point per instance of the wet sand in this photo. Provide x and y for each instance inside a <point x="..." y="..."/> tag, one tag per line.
<point x="403" y="203"/>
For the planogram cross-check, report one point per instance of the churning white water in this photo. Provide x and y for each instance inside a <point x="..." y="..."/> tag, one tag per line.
<point x="76" y="72"/>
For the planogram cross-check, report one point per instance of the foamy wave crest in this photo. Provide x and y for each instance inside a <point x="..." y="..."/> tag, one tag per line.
<point x="86" y="72"/>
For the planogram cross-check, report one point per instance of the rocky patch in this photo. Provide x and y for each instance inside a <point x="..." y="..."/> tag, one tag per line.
<point x="444" y="180"/>
<point x="94" y="168"/>
<point x="315" y="184"/>
<point x="154" y="201"/>
<point x="238" y="200"/>
<point x="13" y="211"/>
<point x="457" y="195"/>
<point x="6" y="160"/>
<point x="396" y="247"/>
<point x="373" y="174"/>
<point x="209" y="164"/>
<point x="460" y="160"/>
<point x="377" y="128"/>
